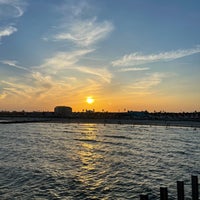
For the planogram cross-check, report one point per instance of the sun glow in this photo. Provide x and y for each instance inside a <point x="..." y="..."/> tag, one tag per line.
<point x="90" y="100"/>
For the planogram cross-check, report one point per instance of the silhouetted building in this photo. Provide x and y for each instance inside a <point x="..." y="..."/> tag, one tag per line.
<point x="63" y="111"/>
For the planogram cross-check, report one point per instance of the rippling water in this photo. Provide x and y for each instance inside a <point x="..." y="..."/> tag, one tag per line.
<point x="93" y="161"/>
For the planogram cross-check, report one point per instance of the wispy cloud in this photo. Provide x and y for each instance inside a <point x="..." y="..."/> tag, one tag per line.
<point x="147" y="82"/>
<point x="3" y="95"/>
<point x="138" y="58"/>
<point x="63" y="60"/>
<point x="33" y="85"/>
<point x="145" y="85"/>
<point x="80" y="24"/>
<point x="85" y="32"/>
<point x="133" y="69"/>
<point x="68" y="62"/>
<point x="12" y="8"/>
<point x="9" y="10"/>
<point x="13" y="88"/>
<point x="103" y="73"/>
<point x="81" y="9"/>
<point x="48" y="89"/>
<point x="42" y="81"/>
<point x="78" y="9"/>
<point x="7" y="31"/>
<point x="14" y="63"/>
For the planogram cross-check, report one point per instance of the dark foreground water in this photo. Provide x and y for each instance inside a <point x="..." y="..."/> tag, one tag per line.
<point x="93" y="161"/>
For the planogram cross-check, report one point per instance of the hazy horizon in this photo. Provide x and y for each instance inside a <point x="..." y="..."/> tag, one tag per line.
<point x="104" y="55"/>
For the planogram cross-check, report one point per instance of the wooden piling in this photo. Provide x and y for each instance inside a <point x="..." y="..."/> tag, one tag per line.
<point x="163" y="193"/>
<point x="180" y="190"/>
<point x="144" y="197"/>
<point x="195" y="190"/>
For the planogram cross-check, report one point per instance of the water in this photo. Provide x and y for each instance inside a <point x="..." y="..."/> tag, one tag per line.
<point x="93" y="161"/>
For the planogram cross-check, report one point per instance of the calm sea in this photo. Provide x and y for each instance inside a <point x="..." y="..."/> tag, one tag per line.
<point x="95" y="161"/>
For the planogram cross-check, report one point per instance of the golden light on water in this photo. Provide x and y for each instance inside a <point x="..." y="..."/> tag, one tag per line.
<point x="90" y="158"/>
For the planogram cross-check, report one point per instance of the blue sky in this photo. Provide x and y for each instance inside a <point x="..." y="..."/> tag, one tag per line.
<point x="125" y="54"/>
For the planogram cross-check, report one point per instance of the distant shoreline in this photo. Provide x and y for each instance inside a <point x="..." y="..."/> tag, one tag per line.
<point x="167" y="123"/>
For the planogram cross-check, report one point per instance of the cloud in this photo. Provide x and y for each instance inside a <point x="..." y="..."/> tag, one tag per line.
<point x="34" y="85"/>
<point x="3" y="95"/>
<point x="69" y="61"/>
<point x="7" y="31"/>
<point x="42" y="81"/>
<point x="39" y="86"/>
<point x="147" y="82"/>
<point x="79" y="9"/>
<point x="61" y="74"/>
<point x="139" y="59"/>
<point x="80" y="25"/>
<point x="13" y="63"/>
<point x="9" y="10"/>
<point x="63" y="60"/>
<point x="141" y="86"/>
<point x="133" y="69"/>
<point x="86" y="32"/>
<point x="103" y="73"/>
<point x="63" y="63"/>
<point x="9" y="62"/>
<point x="12" y="88"/>
<point x="12" y="8"/>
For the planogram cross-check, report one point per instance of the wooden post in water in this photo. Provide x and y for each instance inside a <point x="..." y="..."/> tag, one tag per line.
<point x="163" y="193"/>
<point x="195" y="189"/>
<point x="144" y="197"/>
<point x="180" y="190"/>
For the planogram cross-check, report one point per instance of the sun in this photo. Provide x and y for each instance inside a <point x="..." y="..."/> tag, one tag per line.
<point x="90" y="100"/>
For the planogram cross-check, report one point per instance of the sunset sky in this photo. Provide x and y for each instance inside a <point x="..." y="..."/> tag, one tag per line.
<point x="123" y="54"/>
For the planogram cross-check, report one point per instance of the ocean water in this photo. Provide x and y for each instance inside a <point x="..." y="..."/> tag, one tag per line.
<point x="95" y="161"/>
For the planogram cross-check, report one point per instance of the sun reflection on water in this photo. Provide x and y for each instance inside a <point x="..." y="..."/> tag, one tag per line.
<point x="91" y="160"/>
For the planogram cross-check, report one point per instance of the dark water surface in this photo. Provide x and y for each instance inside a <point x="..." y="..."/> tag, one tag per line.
<point x="93" y="161"/>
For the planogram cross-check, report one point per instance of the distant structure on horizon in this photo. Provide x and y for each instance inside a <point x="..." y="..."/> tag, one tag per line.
<point x="63" y="111"/>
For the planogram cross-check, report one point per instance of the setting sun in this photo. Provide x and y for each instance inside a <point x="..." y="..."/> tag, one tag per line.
<point x="90" y="100"/>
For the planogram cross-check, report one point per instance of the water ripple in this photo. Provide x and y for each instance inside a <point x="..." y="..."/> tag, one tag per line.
<point x="93" y="161"/>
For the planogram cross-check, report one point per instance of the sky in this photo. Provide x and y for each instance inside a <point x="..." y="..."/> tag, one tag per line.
<point x="124" y="54"/>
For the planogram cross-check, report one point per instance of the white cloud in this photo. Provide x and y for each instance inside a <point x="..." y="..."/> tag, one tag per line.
<point x="148" y="81"/>
<point x="63" y="60"/>
<point x="73" y="9"/>
<point x="69" y="61"/>
<point x="86" y="32"/>
<point x="80" y="25"/>
<point x="103" y="73"/>
<point x="138" y="59"/>
<point x="14" y="63"/>
<point x="41" y="86"/>
<point x="16" y="89"/>
<point x="12" y="8"/>
<point x="7" y="31"/>
<point x="80" y="9"/>
<point x="9" y="62"/>
<point x="36" y="86"/>
<point x="133" y="69"/>
<point x="42" y="81"/>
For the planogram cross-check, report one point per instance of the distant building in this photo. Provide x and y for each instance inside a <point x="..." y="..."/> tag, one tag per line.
<point x="63" y="111"/>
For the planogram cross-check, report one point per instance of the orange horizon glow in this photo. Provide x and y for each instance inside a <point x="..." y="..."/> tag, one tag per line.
<point x="103" y="104"/>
